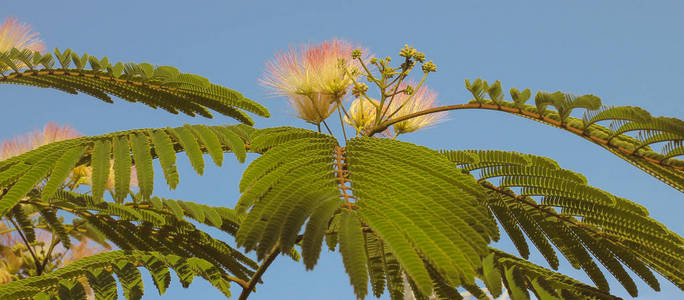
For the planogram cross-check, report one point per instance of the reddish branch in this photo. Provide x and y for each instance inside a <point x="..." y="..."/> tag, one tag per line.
<point x="528" y="114"/>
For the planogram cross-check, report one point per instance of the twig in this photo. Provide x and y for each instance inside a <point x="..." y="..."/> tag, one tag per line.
<point x="259" y="272"/>
<point x="39" y="269"/>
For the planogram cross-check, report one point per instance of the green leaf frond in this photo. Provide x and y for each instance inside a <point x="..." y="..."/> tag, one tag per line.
<point x="422" y="208"/>
<point x="20" y="174"/>
<point x="373" y="185"/>
<point x="292" y="181"/>
<point x="158" y="87"/>
<point x="556" y="206"/>
<point x="96" y="272"/>
<point x="519" y="276"/>
<point x="158" y="224"/>
<point x="271" y="137"/>
<point x="629" y="132"/>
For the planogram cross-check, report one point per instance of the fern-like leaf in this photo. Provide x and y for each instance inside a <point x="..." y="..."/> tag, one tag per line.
<point x="158" y="87"/>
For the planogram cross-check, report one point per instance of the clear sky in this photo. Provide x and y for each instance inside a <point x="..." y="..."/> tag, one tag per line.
<point x="626" y="52"/>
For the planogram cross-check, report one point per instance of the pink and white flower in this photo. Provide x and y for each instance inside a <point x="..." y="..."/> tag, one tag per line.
<point x="18" y="35"/>
<point x="423" y="98"/>
<point x="313" y="77"/>
<point x="52" y="132"/>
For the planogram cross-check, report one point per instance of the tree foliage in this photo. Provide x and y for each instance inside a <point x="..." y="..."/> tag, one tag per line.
<point x="407" y="219"/>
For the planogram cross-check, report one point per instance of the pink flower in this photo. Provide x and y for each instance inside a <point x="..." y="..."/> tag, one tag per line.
<point x="51" y="133"/>
<point x="313" y="77"/>
<point x="422" y="99"/>
<point x="17" y="35"/>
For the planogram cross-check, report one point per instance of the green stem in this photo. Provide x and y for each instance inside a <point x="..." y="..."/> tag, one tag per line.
<point x="328" y="128"/>
<point x="339" y="112"/>
<point x="53" y="243"/>
<point x="370" y="75"/>
<point x="422" y="80"/>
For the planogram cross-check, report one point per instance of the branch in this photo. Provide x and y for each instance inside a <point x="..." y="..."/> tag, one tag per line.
<point x="527" y="114"/>
<point x="541" y="208"/>
<point x="259" y="272"/>
<point x="39" y="268"/>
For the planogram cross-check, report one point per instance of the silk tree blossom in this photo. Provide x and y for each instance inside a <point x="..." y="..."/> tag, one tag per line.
<point x="423" y="98"/>
<point x="50" y="133"/>
<point x="313" y="77"/>
<point x="362" y="113"/>
<point x="18" y="35"/>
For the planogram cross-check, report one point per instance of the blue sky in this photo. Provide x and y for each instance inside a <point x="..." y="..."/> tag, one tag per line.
<point x="626" y="52"/>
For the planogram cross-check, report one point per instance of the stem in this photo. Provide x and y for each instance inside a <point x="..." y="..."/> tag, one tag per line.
<point x="239" y="281"/>
<point x="527" y="114"/>
<point x="370" y="75"/>
<point x="339" y="112"/>
<point x="313" y="103"/>
<point x="567" y="219"/>
<point x="39" y="269"/>
<point x="259" y="272"/>
<point x="319" y="127"/>
<point x="394" y="93"/>
<point x="362" y="94"/>
<point x="328" y="128"/>
<point x="422" y="80"/>
<point x="53" y="243"/>
<point x="398" y="81"/>
<point x="344" y="111"/>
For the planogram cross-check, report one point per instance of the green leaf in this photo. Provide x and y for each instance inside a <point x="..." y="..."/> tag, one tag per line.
<point x="210" y="141"/>
<point x="515" y="284"/>
<point x="27" y="182"/>
<point x="233" y="141"/>
<point x="100" y="163"/>
<point x="187" y="140"/>
<point x="122" y="168"/>
<point x="492" y="277"/>
<point x="316" y="229"/>
<point x="353" y="252"/>
<point x="163" y="147"/>
<point x="143" y="164"/>
<point x="63" y="167"/>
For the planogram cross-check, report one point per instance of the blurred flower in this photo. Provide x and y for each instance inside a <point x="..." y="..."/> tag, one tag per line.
<point x="313" y="77"/>
<point x="51" y="133"/>
<point x="362" y="114"/>
<point x="86" y="175"/>
<point x="17" y="35"/>
<point x="421" y="99"/>
<point x="18" y="263"/>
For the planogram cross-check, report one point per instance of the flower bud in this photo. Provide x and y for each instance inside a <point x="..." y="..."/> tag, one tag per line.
<point x="429" y="67"/>
<point x="359" y="89"/>
<point x="356" y="53"/>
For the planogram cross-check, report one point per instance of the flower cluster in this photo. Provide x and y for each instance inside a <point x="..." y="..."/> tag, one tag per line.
<point x="421" y="99"/>
<point x="316" y="77"/>
<point x="17" y="35"/>
<point x="362" y="114"/>
<point x="313" y="77"/>
<point x="50" y="133"/>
